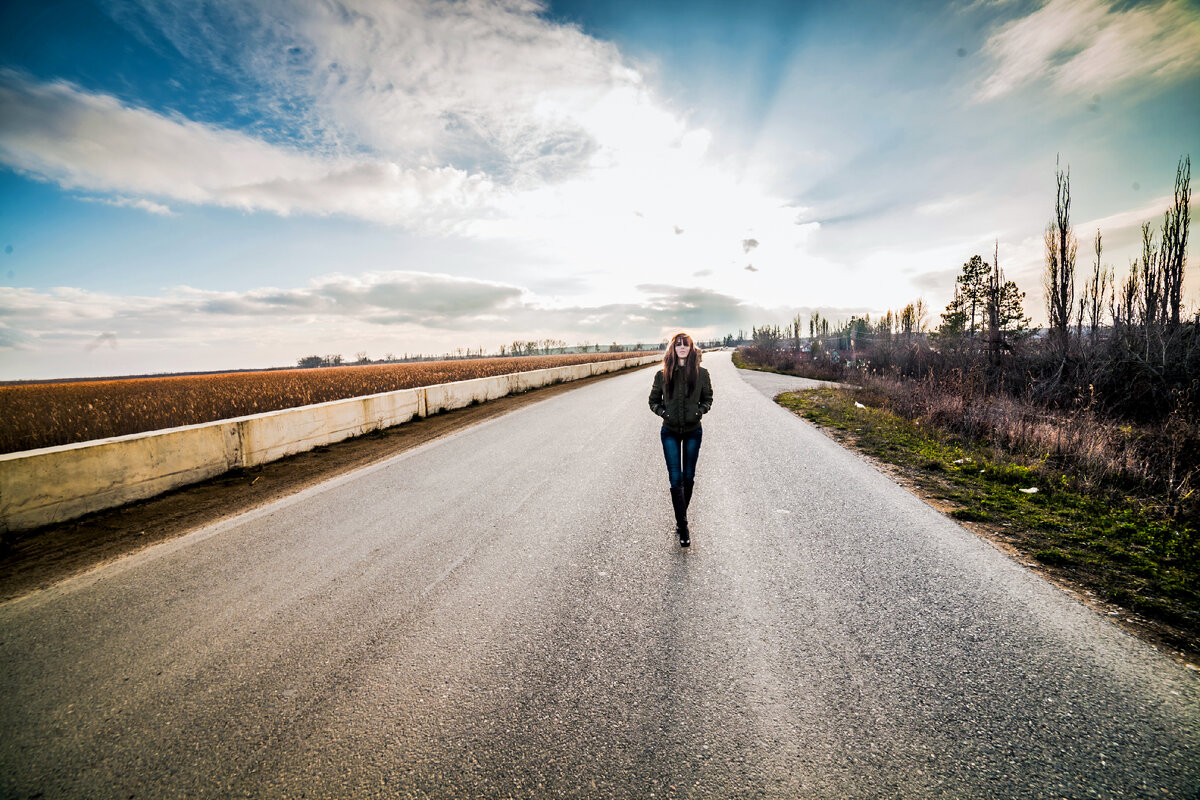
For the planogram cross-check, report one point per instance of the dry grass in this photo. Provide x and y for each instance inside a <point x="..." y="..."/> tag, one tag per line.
<point x="1097" y="451"/>
<point x="1159" y="461"/>
<point x="45" y="415"/>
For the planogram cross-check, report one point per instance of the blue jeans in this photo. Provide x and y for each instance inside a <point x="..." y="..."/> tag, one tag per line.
<point x="681" y="451"/>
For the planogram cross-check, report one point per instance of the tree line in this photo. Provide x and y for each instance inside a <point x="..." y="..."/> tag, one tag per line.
<point x="1127" y="348"/>
<point x="1109" y="389"/>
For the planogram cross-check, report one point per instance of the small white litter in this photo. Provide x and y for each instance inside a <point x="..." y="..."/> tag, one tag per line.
<point x="858" y="404"/>
<point x="1030" y="490"/>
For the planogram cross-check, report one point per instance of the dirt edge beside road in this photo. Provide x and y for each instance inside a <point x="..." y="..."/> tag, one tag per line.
<point x="39" y="558"/>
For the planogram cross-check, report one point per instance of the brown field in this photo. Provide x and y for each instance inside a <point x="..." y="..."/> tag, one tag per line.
<point x="49" y="414"/>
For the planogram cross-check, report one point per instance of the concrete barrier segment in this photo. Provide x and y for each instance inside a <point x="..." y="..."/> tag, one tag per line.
<point x="275" y="434"/>
<point x="56" y="484"/>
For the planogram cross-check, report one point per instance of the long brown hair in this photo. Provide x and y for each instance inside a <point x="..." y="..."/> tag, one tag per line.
<point x="691" y="367"/>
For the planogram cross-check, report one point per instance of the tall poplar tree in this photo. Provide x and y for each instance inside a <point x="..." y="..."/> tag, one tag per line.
<point x="1061" y="246"/>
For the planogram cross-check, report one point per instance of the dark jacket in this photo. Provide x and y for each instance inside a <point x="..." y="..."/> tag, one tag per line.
<point x="681" y="412"/>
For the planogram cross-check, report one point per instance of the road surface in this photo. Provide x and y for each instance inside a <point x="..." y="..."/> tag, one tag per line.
<point x="505" y="613"/>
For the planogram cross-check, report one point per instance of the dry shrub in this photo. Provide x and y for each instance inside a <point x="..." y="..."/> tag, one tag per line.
<point x="1162" y="458"/>
<point x="48" y="414"/>
<point x="1121" y="411"/>
<point x="795" y="363"/>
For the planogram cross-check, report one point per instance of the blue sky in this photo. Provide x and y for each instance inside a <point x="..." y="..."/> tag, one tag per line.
<point x="214" y="185"/>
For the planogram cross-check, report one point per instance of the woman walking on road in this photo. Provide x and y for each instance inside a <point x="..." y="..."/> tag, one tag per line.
<point x="682" y="394"/>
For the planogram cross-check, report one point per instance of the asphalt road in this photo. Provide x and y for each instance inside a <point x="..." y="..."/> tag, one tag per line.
<point x="505" y="613"/>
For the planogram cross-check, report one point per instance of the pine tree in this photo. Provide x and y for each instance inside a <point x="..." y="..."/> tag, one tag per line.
<point x="972" y="288"/>
<point x="954" y="319"/>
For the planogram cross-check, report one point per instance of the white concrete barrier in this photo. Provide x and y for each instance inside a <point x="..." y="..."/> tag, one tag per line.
<point x="275" y="434"/>
<point x="60" y="483"/>
<point x="55" y="484"/>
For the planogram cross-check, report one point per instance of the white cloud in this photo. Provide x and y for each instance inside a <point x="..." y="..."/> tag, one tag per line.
<point x="395" y="297"/>
<point x="68" y="331"/>
<point x="466" y="82"/>
<point x="1088" y="46"/>
<point x="472" y="119"/>
<point x="61" y="306"/>
<point x="11" y="338"/>
<point x="478" y="119"/>
<point x="1151" y="212"/>
<point x="945" y="205"/>
<point x="148" y="206"/>
<point x="91" y="142"/>
<point x="375" y="298"/>
<point x="482" y="85"/>
<point x="107" y="338"/>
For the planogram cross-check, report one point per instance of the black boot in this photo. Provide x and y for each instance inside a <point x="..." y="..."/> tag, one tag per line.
<point x="681" y="526"/>
<point x="687" y="494"/>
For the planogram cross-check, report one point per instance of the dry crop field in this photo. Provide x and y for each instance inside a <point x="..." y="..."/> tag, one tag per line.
<point x="48" y="414"/>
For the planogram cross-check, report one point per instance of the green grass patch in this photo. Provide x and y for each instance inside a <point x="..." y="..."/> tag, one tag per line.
<point x="1055" y="558"/>
<point x="1118" y="546"/>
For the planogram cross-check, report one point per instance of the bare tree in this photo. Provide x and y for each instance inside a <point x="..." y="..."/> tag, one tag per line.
<point x="908" y="322"/>
<point x="1125" y="308"/>
<point x="767" y="338"/>
<point x="995" y="280"/>
<point x="1173" y="255"/>
<point x="795" y="333"/>
<point x="1151" y="280"/>
<point x="921" y="314"/>
<point x="913" y="319"/>
<point x="1061" y="246"/>
<point x="1097" y="290"/>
